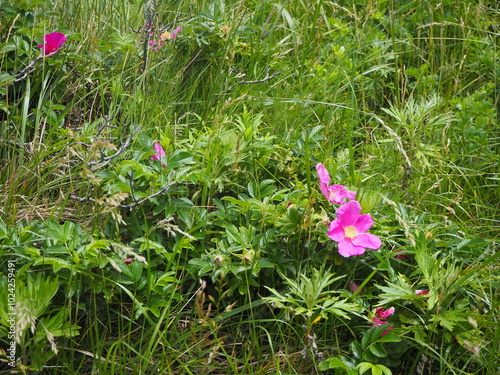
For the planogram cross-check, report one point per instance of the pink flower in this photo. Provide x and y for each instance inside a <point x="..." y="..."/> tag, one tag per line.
<point x="53" y="42"/>
<point x="349" y="228"/>
<point x="353" y="288"/>
<point x="422" y="292"/>
<point x="380" y="315"/>
<point x="127" y="260"/>
<point x="160" y="153"/>
<point x="174" y="34"/>
<point x="334" y="193"/>
<point x="384" y="314"/>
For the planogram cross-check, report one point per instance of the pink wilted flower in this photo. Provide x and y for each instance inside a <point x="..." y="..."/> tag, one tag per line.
<point x="334" y="193"/>
<point x="53" y="42"/>
<point x="349" y="228"/>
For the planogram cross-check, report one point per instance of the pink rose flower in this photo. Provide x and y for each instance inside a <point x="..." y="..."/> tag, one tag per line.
<point x="349" y="230"/>
<point x="422" y="292"/>
<point x="337" y="194"/>
<point x="53" y="42"/>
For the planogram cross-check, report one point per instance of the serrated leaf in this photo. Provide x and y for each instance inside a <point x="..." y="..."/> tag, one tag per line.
<point x="450" y="318"/>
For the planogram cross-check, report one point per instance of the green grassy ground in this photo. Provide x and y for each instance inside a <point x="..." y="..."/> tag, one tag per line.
<point x="215" y="259"/>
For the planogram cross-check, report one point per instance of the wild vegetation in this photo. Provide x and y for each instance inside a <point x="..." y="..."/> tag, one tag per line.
<point x="185" y="187"/>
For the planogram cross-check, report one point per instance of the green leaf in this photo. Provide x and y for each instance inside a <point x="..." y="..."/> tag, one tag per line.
<point x="265" y="263"/>
<point x="390" y="337"/>
<point x="166" y="279"/>
<point x="178" y="159"/>
<point x="57" y="264"/>
<point x="378" y="350"/>
<point x="369" y="356"/>
<point x="54" y="230"/>
<point x="382" y="369"/>
<point x="357" y="350"/>
<point x="372" y="335"/>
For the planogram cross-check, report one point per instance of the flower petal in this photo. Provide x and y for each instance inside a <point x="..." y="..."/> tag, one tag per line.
<point x="337" y="194"/>
<point x="377" y="321"/>
<point x="53" y="42"/>
<point x="363" y="223"/>
<point x="367" y="240"/>
<point x="384" y="314"/>
<point x="348" y="213"/>
<point x="347" y="249"/>
<point x="160" y="152"/>
<point x="323" y="175"/>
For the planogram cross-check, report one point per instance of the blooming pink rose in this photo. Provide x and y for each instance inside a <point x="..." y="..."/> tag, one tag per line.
<point x="337" y="194"/>
<point x="53" y="42"/>
<point x="349" y="228"/>
<point x="353" y="288"/>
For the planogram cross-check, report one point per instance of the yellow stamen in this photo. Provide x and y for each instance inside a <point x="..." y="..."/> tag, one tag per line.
<point x="350" y="232"/>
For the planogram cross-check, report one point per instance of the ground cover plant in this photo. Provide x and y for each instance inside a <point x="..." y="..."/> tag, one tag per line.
<point x="249" y="187"/>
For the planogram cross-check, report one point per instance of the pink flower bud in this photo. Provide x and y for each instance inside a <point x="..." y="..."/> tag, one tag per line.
<point x="53" y="42"/>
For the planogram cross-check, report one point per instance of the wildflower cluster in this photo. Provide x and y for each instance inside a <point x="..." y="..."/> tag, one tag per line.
<point x="155" y="42"/>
